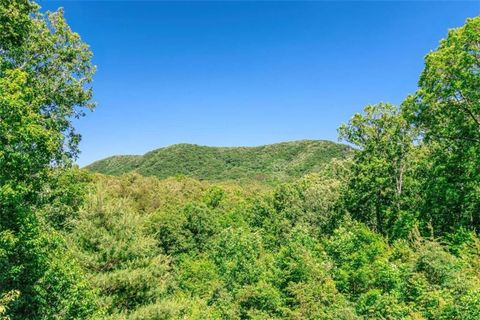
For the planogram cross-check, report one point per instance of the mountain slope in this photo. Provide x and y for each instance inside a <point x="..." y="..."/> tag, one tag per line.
<point x="274" y="162"/>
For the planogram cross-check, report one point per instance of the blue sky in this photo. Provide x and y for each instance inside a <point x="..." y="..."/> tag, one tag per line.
<point x="246" y="73"/>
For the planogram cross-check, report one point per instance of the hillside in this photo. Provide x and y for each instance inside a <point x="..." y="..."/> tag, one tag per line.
<point x="274" y="162"/>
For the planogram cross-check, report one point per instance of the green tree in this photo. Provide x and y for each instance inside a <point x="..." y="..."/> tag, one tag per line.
<point x="44" y="72"/>
<point x="447" y="110"/>
<point x="381" y="189"/>
<point x="236" y="254"/>
<point x="304" y="276"/>
<point x="124" y="262"/>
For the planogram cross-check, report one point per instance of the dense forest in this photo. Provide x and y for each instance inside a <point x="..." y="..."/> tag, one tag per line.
<point x="272" y="163"/>
<point x="387" y="229"/>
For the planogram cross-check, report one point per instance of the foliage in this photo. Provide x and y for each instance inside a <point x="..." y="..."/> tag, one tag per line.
<point x="382" y="187"/>
<point x="447" y="110"/>
<point x="270" y="163"/>
<point x="44" y="74"/>
<point x="389" y="233"/>
<point x="262" y="255"/>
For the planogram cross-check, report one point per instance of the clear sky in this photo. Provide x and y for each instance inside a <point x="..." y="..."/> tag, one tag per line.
<point x="246" y="73"/>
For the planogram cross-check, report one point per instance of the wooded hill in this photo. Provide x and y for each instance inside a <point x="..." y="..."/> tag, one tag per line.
<point x="274" y="162"/>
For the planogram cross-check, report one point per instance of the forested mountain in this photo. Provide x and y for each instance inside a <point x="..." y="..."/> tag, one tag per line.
<point x="274" y="162"/>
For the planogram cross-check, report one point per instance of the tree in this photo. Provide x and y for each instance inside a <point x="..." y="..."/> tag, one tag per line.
<point x="381" y="187"/>
<point x="124" y="262"/>
<point x="446" y="109"/>
<point x="44" y="72"/>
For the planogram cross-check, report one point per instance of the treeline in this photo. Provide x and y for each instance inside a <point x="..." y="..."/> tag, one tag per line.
<point x="183" y="249"/>
<point x="390" y="234"/>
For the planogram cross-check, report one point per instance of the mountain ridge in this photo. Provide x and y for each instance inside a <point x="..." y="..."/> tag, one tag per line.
<point x="269" y="162"/>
